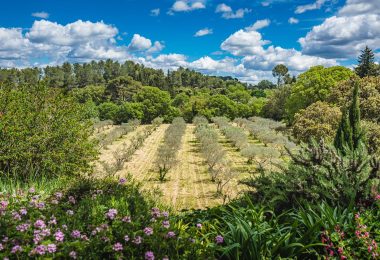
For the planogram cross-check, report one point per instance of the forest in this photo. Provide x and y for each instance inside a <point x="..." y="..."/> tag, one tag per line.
<point x="109" y="160"/>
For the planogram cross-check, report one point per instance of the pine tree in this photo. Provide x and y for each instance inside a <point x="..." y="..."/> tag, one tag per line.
<point x="350" y="135"/>
<point x="366" y="62"/>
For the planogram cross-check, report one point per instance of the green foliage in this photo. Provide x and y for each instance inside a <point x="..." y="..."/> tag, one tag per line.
<point x="107" y="111"/>
<point x="265" y="84"/>
<point x="274" y="108"/>
<point x="123" y="88"/>
<point x="42" y="133"/>
<point x="128" y="111"/>
<point x="314" y="85"/>
<point x="90" y="93"/>
<point x="319" y="120"/>
<point x="280" y="72"/>
<point x="154" y="102"/>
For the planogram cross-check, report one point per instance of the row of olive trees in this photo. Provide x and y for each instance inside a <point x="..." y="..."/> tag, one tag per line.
<point x="167" y="151"/>
<point x="117" y="132"/>
<point x="219" y="167"/>
<point x="266" y="131"/>
<point x="126" y="151"/>
<point x="101" y="126"/>
<point x="236" y="135"/>
<point x="255" y="153"/>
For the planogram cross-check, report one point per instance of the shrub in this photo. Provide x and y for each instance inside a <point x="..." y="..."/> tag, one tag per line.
<point x="128" y="111"/>
<point x="42" y="133"/>
<point x="107" y="111"/>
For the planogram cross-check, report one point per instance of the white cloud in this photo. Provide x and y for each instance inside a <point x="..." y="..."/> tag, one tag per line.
<point x="79" y="41"/>
<point x="155" y="12"/>
<point x="203" y="32"/>
<point x="139" y="43"/>
<point x="293" y="20"/>
<point x="343" y="35"/>
<point x="228" y="13"/>
<point x="250" y="45"/>
<point x="259" y="24"/>
<point x="304" y="8"/>
<point x="43" y="15"/>
<point x="186" y="6"/>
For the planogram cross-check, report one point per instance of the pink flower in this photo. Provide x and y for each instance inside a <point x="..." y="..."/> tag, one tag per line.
<point x="16" y="249"/>
<point x="51" y="248"/>
<point x="75" y="234"/>
<point x="40" y="205"/>
<point x="149" y="255"/>
<point x="117" y="247"/>
<point x="155" y="212"/>
<point x="199" y="225"/>
<point x="23" y="227"/>
<point x="23" y="211"/>
<point x="32" y="190"/>
<point x="127" y="219"/>
<point x="58" y="195"/>
<point x="53" y="221"/>
<point x="73" y="254"/>
<point x="59" y="236"/>
<point x="166" y="224"/>
<point x="41" y="249"/>
<point x="122" y="181"/>
<point x="170" y="234"/>
<point x="126" y="238"/>
<point x="111" y="214"/>
<point x="377" y="197"/>
<point x="3" y="204"/>
<point x="219" y="239"/>
<point x="137" y="240"/>
<point x="1" y="247"/>
<point x="16" y="216"/>
<point x="148" y="231"/>
<point x="39" y="224"/>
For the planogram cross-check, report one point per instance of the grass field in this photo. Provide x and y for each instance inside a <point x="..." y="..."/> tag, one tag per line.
<point x="188" y="184"/>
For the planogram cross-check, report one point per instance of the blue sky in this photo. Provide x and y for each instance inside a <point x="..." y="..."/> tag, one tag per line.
<point x="243" y="38"/>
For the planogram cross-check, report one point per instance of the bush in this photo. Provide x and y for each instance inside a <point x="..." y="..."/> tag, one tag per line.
<point x="107" y="111"/>
<point x="128" y="111"/>
<point x="43" y="133"/>
<point x="96" y="220"/>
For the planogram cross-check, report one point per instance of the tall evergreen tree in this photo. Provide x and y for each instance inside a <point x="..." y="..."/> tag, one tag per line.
<point x="367" y="66"/>
<point x="350" y="135"/>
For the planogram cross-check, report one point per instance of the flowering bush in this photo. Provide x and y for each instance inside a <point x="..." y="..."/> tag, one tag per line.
<point x="97" y="219"/>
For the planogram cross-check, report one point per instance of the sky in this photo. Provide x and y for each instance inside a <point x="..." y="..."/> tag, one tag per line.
<point x="240" y="38"/>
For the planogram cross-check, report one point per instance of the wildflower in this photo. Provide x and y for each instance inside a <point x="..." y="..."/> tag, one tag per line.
<point x="148" y="231"/>
<point x="219" y="239"/>
<point x="75" y="234"/>
<point x="155" y="212"/>
<point x="16" y="216"/>
<point x="39" y="224"/>
<point x="137" y="240"/>
<point x="54" y="202"/>
<point x="3" y="204"/>
<point x="16" y="249"/>
<point x="51" y="248"/>
<point x="59" y="236"/>
<point x="64" y="227"/>
<point x="73" y="254"/>
<point x="357" y="215"/>
<point x="149" y="255"/>
<point x="1" y="247"/>
<point x="40" y="205"/>
<point x="58" y="195"/>
<point x="377" y="197"/>
<point x="111" y="214"/>
<point x="340" y="250"/>
<point x="170" y="234"/>
<point x="32" y="190"/>
<point x="70" y="212"/>
<point x="5" y="239"/>
<point x="126" y="238"/>
<point x="72" y="200"/>
<point x="23" y="227"/>
<point x="199" y="225"/>
<point x="23" y="211"/>
<point x="41" y="249"/>
<point x="45" y="232"/>
<point x="166" y="224"/>
<point x="192" y="240"/>
<point x="53" y="221"/>
<point x="122" y="181"/>
<point x="84" y="237"/>
<point x="117" y="247"/>
<point x="165" y="214"/>
<point x="126" y="219"/>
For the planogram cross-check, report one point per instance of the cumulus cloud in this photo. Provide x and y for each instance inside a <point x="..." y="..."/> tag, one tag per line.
<point x="203" y="32"/>
<point x="228" y="13"/>
<point x="186" y="6"/>
<point x="250" y="45"/>
<point x="304" y="8"/>
<point x="293" y="20"/>
<point x="342" y="36"/>
<point x="79" y="41"/>
<point x="43" y="15"/>
<point x="155" y="12"/>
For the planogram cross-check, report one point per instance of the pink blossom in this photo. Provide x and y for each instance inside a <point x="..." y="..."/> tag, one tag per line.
<point x="59" y="236"/>
<point x="199" y="225"/>
<point x="73" y="254"/>
<point x="111" y="214"/>
<point x="117" y="247"/>
<point x="23" y="211"/>
<point x="75" y="234"/>
<point x="40" y="249"/>
<point x="16" y="249"/>
<point x="127" y="219"/>
<point x="137" y="240"/>
<point x="72" y="200"/>
<point x="39" y="224"/>
<point x="32" y="190"/>
<point x="122" y="181"/>
<point x="51" y="248"/>
<point x="149" y="255"/>
<point x="166" y="224"/>
<point x="126" y="238"/>
<point x="219" y="239"/>
<point x="148" y="231"/>
<point x="23" y="227"/>
<point x="170" y="234"/>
